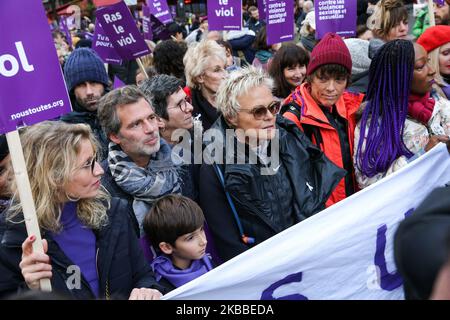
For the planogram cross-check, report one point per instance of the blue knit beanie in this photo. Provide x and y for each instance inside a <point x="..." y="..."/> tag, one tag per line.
<point x="84" y="65"/>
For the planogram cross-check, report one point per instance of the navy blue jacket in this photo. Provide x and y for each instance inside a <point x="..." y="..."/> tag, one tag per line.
<point x="121" y="265"/>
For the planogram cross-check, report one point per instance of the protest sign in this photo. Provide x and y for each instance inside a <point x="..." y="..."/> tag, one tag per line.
<point x="280" y="21"/>
<point x="160" y="10"/>
<point x="224" y="15"/>
<point x="262" y="9"/>
<point x="343" y="252"/>
<point x="337" y="16"/>
<point x="118" y="83"/>
<point x="120" y="27"/>
<point x="104" y="47"/>
<point x="146" y="23"/>
<point x="65" y="29"/>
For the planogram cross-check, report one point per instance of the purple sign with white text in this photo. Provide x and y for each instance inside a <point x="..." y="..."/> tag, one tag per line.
<point x="262" y="9"/>
<point x="224" y="15"/>
<point x="121" y="29"/>
<point x="160" y="10"/>
<point x="32" y="87"/>
<point x="104" y="47"/>
<point x="146" y="23"/>
<point x="338" y="16"/>
<point x="279" y="21"/>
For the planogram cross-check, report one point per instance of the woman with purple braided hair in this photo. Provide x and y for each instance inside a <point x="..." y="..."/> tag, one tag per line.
<point x="398" y="71"/>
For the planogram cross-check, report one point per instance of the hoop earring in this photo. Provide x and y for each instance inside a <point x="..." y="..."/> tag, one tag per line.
<point x="72" y="199"/>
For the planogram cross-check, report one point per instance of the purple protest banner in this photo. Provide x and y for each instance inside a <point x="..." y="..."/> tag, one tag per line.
<point x="173" y="10"/>
<point x="224" y="15"/>
<point x="66" y="31"/>
<point x="146" y="23"/>
<point x="118" y="83"/>
<point x="262" y="9"/>
<point x="439" y="2"/>
<point x="103" y="46"/>
<point x="32" y="87"/>
<point x="280" y="21"/>
<point x="159" y="30"/>
<point x="160" y="10"/>
<point x="120" y="27"/>
<point x="338" y="16"/>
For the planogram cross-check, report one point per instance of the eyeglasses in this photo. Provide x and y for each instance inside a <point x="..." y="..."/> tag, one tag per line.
<point x="91" y="164"/>
<point x="183" y="104"/>
<point x="260" y="112"/>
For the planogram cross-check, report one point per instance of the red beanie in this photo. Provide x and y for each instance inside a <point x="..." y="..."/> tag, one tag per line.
<point x="330" y="50"/>
<point x="434" y="37"/>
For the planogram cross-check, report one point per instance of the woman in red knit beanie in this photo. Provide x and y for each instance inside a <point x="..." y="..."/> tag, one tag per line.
<point x="436" y="41"/>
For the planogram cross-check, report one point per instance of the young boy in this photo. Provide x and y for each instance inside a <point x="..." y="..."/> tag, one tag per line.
<point x="174" y="225"/>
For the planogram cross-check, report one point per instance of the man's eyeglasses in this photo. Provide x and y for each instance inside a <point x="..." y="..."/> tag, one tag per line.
<point x="260" y="112"/>
<point x="183" y="104"/>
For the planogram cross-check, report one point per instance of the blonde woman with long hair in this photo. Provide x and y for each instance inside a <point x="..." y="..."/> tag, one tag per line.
<point x="91" y="250"/>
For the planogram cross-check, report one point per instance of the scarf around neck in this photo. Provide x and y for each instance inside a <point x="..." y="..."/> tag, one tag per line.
<point x="159" y="178"/>
<point x="163" y="268"/>
<point x="421" y="108"/>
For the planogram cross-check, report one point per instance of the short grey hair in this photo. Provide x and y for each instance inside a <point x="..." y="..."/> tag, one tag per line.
<point x="239" y="83"/>
<point x="197" y="57"/>
<point x="109" y="103"/>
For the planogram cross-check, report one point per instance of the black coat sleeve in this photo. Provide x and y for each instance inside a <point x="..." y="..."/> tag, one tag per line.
<point x="218" y="215"/>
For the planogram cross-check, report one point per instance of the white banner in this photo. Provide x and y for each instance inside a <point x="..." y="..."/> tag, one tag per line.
<point x="344" y="252"/>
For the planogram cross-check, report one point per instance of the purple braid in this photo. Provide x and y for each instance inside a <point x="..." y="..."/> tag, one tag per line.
<point x="390" y="76"/>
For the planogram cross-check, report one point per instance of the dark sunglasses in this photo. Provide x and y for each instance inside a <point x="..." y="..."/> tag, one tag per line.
<point x="260" y="112"/>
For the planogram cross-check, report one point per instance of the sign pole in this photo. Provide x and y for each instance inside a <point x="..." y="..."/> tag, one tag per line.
<point x="26" y="197"/>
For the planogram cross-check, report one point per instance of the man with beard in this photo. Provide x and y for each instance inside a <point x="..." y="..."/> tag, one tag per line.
<point x="140" y="166"/>
<point x="87" y="81"/>
<point x="442" y="13"/>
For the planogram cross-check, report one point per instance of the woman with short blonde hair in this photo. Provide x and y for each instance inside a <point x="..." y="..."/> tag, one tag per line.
<point x="205" y="64"/>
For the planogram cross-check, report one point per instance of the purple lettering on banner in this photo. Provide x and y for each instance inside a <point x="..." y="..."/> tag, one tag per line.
<point x="338" y="16"/>
<point x="160" y="10"/>
<point x="104" y="47"/>
<point x="146" y="23"/>
<point x="440" y="2"/>
<point x="121" y="29"/>
<point x="262" y="9"/>
<point x="388" y="281"/>
<point x="295" y="277"/>
<point x="32" y="87"/>
<point x="280" y="21"/>
<point x="224" y="15"/>
<point x="159" y="30"/>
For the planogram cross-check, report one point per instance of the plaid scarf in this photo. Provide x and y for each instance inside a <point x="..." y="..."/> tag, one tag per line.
<point x="160" y="178"/>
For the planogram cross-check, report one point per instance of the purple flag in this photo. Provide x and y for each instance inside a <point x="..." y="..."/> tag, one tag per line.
<point x="280" y="21"/>
<point x="121" y="29"/>
<point x="160" y="10"/>
<point x="32" y="87"/>
<point x="65" y="30"/>
<point x="159" y="30"/>
<point x="439" y="2"/>
<point x="118" y="83"/>
<point x="262" y="9"/>
<point x="224" y="15"/>
<point x="338" y="16"/>
<point x="173" y="11"/>
<point x="104" y="47"/>
<point x="146" y="23"/>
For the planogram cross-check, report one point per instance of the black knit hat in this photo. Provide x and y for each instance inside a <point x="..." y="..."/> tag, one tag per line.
<point x="84" y="65"/>
<point x="4" y="151"/>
